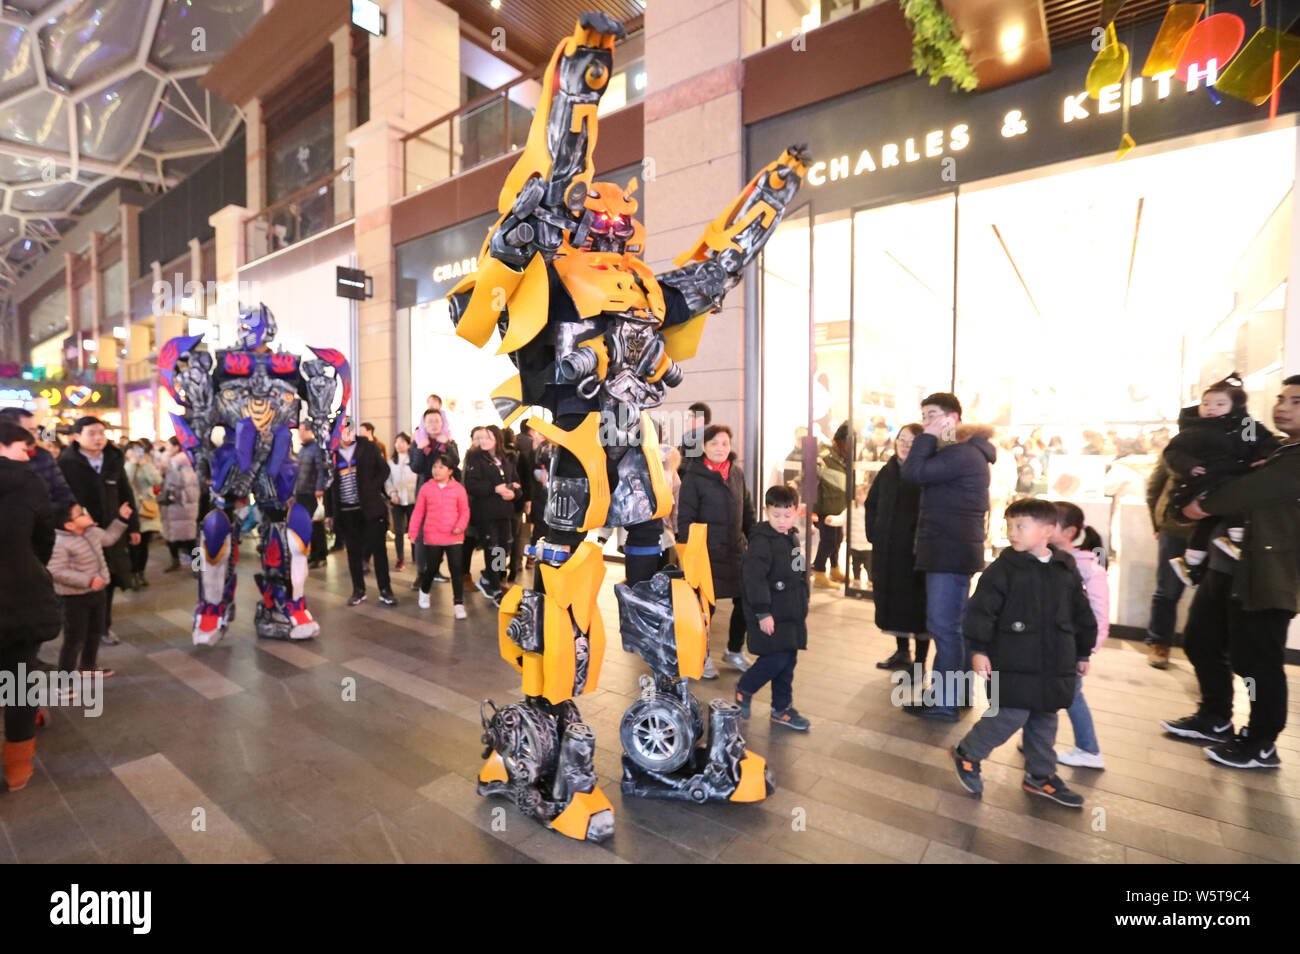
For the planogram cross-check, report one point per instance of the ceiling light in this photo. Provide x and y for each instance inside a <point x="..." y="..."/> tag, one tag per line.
<point x="1012" y="38"/>
<point x="495" y="4"/>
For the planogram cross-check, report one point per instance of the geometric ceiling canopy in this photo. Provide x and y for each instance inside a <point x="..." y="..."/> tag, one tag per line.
<point x="96" y="91"/>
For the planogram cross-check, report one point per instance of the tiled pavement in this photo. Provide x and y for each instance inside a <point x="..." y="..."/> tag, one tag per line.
<point x="250" y="752"/>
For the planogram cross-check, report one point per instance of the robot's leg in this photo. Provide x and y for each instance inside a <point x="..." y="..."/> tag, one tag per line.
<point x="539" y="751"/>
<point x="282" y="612"/>
<point x="664" y="619"/>
<point x="218" y="554"/>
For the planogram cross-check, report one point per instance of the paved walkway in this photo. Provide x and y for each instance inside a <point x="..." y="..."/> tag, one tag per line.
<point x="362" y="745"/>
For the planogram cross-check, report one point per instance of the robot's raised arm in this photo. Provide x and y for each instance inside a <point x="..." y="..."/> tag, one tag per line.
<point x="543" y="195"/>
<point x="713" y="265"/>
<point x="186" y="372"/>
<point x="321" y="380"/>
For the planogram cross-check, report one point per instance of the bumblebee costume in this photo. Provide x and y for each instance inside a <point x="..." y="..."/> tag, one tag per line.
<point x="597" y="338"/>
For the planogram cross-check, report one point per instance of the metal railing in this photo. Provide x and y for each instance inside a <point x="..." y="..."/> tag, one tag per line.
<point x="488" y="127"/>
<point x="482" y="129"/>
<point x="317" y="206"/>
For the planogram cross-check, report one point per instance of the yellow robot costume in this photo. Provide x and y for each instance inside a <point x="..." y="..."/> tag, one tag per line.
<point x="596" y="337"/>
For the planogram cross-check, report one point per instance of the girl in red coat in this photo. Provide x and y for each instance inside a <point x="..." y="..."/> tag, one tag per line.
<point x="438" y="521"/>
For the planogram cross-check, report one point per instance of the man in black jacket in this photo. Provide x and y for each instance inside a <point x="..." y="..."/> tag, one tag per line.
<point x="309" y="489"/>
<point x="361" y="508"/>
<point x="94" y="469"/>
<point x="1031" y="629"/>
<point x="29" y="610"/>
<point x="43" y="462"/>
<point x="1242" y="610"/>
<point x="954" y="478"/>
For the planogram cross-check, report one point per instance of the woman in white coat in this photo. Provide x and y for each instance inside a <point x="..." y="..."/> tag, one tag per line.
<point x="179" y="501"/>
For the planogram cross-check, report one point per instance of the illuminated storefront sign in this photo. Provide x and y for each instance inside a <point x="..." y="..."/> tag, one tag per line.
<point x="905" y="137"/>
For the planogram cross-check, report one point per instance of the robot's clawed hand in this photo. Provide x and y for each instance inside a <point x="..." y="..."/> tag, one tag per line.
<point x="796" y="159"/>
<point x="602" y="23"/>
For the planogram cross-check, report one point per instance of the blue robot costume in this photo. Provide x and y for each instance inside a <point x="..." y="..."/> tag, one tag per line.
<point x="255" y="396"/>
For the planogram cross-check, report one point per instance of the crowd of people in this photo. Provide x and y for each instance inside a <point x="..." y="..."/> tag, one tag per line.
<point x="79" y="519"/>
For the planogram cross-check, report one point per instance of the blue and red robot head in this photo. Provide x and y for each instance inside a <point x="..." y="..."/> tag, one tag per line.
<point x="256" y="327"/>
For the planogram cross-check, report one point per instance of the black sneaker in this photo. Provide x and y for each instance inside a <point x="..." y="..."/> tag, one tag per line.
<point x="968" y="772"/>
<point x="933" y="713"/>
<point x="484" y="587"/>
<point x="1199" y="727"/>
<point x="387" y="598"/>
<point x="901" y="659"/>
<point x="1052" y="787"/>
<point x="791" y="719"/>
<point x="1243" y="752"/>
<point x="742" y="700"/>
<point x="356" y="597"/>
<point x="439" y="578"/>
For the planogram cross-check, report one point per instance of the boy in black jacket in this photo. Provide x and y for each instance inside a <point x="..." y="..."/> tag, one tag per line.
<point x="774" y="579"/>
<point x="1030" y="621"/>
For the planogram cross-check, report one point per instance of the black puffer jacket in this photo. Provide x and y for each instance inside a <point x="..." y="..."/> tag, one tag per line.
<point x="893" y="507"/>
<point x="1032" y="619"/>
<point x="482" y="475"/>
<point x="774" y="572"/>
<point x="954" y="482"/>
<point x="727" y="509"/>
<point x="29" y="610"/>
<point x="102" y="494"/>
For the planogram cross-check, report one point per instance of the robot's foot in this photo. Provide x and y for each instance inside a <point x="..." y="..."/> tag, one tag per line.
<point x="588" y="816"/>
<point x="752" y="782"/>
<point x="305" y="630"/>
<point x="210" y="624"/>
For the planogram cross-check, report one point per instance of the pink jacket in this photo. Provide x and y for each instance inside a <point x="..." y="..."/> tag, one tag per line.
<point x="1097" y="586"/>
<point x="439" y="512"/>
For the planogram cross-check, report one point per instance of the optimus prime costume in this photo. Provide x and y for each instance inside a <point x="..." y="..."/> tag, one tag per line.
<point x="596" y="337"/>
<point x="255" y="394"/>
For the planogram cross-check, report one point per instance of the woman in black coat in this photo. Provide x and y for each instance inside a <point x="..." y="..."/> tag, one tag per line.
<point x="492" y="484"/>
<point x="29" y="610"/>
<point x="714" y="493"/>
<point x="892" y="509"/>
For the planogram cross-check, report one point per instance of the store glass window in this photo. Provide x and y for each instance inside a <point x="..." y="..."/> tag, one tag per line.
<point x="113" y="283"/>
<point x="785" y="388"/>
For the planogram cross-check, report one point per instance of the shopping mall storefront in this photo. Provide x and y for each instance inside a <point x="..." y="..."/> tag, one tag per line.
<point x="992" y="245"/>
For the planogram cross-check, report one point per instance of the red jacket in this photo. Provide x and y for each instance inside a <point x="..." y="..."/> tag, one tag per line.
<point x="439" y="512"/>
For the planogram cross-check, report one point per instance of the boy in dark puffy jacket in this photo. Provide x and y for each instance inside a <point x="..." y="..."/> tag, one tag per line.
<point x="1216" y="441"/>
<point x="1030" y="629"/>
<point x="774" y="580"/>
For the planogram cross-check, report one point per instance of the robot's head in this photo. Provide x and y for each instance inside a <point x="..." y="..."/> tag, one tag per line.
<point x="256" y="327"/>
<point x="612" y="227"/>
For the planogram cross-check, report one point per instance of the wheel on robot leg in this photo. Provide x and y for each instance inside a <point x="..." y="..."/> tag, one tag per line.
<point x="669" y="749"/>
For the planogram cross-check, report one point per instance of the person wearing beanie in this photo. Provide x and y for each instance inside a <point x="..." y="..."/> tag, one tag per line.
<point x="1216" y="441"/>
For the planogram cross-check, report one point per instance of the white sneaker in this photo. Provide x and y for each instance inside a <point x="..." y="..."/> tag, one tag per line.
<point x="737" y="659"/>
<point x="1081" y="759"/>
<point x="424" y="600"/>
<point x="459" y="611"/>
<point x="709" y="671"/>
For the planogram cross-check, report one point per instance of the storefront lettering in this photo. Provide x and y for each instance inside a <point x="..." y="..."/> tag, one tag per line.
<point x="891" y="154"/>
<point x="1110" y="98"/>
<point x="466" y="266"/>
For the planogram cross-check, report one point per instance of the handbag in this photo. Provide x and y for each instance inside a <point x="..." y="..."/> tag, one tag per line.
<point x="149" y="509"/>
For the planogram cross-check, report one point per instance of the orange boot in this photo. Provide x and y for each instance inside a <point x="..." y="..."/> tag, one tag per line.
<point x="18" y="763"/>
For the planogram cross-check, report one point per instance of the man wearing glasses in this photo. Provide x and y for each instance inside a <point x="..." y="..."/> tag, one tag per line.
<point x="953" y="473"/>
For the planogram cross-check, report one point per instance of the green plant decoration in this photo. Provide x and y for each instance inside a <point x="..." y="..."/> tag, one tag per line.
<point x="935" y="47"/>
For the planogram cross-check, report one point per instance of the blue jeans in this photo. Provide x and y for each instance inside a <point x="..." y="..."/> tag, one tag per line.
<point x="776" y="668"/>
<point x="946" y="596"/>
<point x="1085" y="736"/>
<point x="1169" y="589"/>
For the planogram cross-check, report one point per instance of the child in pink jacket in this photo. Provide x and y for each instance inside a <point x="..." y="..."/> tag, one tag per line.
<point x="1084" y="544"/>
<point x="438" y="521"/>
